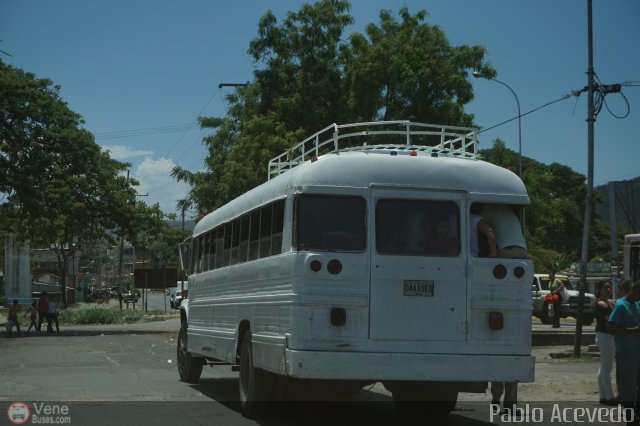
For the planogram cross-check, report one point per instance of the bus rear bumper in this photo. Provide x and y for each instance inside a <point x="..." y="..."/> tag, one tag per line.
<point x="408" y="366"/>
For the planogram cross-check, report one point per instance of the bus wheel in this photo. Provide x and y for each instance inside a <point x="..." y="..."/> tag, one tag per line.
<point x="254" y="383"/>
<point x="189" y="367"/>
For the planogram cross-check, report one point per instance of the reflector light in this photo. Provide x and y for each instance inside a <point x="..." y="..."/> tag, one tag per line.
<point x="499" y="271"/>
<point x="413" y="153"/>
<point x="334" y="267"/>
<point x="496" y="321"/>
<point x="315" y="265"/>
<point x="518" y="271"/>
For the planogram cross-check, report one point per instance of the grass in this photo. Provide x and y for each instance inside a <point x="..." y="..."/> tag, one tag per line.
<point x="100" y="315"/>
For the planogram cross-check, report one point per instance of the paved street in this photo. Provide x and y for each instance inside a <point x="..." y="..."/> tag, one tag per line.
<point x="103" y="372"/>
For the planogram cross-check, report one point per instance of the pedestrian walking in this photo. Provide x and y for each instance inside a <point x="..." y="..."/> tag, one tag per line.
<point x="510" y="390"/>
<point x="53" y="317"/>
<point x="43" y="309"/>
<point x="12" y="319"/>
<point x="556" y="288"/>
<point x="605" y="342"/>
<point x="625" y="325"/>
<point x="33" y="312"/>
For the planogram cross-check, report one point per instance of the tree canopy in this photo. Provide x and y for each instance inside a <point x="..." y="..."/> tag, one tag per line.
<point x="59" y="188"/>
<point x="309" y="75"/>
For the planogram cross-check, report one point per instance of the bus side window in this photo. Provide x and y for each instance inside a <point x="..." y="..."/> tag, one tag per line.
<point x="227" y="244"/>
<point x="207" y="264"/>
<point x="235" y="243"/>
<point x="265" y="230"/>
<point x="212" y="249"/>
<point x="254" y="234"/>
<point x="219" y="242"/>
<point x="278" y="224"/>
<point x="244" y="238"/>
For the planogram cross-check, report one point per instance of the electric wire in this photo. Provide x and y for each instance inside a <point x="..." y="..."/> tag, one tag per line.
<point x="526" y="113"/>
<point x="185" y="132"/>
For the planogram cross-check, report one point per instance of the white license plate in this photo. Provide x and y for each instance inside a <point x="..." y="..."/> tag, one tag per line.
<point x="418" y="288"/>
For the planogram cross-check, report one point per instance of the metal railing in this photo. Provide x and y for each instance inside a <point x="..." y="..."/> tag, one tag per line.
<point x="379" y="137"/>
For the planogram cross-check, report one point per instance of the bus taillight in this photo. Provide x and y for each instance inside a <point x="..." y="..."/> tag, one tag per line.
<point x="496" y="321"/>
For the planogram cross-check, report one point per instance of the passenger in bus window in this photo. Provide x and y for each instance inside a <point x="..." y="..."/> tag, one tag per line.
<point x="508" y="230"/>
<point x="441" y="242"/>
<point x="416" y="237"/>
<point x="482" y="235"/>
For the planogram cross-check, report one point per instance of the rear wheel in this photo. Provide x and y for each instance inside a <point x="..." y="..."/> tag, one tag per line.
<point x="189" y="367"/>
<point x="255" y="383"/>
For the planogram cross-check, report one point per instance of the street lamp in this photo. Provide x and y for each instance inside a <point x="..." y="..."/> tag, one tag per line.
<point x="478" y="74"/>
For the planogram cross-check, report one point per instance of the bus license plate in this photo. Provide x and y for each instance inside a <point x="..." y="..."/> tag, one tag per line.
<point x="418" y="288"/>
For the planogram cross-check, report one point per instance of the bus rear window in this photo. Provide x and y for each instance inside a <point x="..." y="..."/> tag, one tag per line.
<point x="330" y="223"/>
<point x="418" y="227"/>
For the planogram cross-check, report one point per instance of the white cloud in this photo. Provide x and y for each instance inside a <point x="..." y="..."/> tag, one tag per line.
<point x="121" y="152"/>
<point x="155" y="179"/>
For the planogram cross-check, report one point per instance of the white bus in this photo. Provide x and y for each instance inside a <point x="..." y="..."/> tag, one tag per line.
<point x="352" y="265"/>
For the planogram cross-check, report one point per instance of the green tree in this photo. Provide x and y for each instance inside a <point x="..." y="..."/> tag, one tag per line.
<point x="307" y="77"/>
<point x="406" y="70"/>
<point x="60" y="189"/>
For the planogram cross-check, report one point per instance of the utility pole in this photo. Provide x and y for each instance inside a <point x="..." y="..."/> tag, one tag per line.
<point x="584" y="259"/>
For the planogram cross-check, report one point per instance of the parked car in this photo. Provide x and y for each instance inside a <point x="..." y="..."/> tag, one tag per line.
<point x="174" y="297"/>
<point x="568" y="308"/>
<point x="130" y="296"/>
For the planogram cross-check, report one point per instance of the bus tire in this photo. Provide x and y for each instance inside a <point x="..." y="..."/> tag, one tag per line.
<point x="254" y="383"/>
<point x="189" y="367"/>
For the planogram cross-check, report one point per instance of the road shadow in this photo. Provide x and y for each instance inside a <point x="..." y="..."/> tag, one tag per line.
<point x="365" y="407"/>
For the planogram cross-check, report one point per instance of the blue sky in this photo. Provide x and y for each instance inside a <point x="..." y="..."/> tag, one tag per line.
<point x="131" y="65"/>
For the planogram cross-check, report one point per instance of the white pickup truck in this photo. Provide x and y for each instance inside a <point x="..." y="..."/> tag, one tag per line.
<point x="568" y="308"/>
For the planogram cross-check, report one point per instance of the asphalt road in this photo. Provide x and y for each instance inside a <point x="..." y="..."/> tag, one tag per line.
<point x="127" y="374"/>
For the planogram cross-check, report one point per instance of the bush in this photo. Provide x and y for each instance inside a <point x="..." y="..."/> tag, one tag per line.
<point x="99" y="315"/>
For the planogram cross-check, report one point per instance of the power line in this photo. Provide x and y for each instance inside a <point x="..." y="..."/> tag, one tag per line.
<point x="526" y="113"/>
<point x="146" y="131"/>
<point x="185" y="132"/>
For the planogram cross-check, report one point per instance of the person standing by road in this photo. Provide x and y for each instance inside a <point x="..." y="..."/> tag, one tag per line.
<point x="624" y="322"/>
<point x="53" y="316"/>
<point x="33" y="310"/>
<point x="556" y="287"/>
<point x="12" y="319"/>
<point x="605" y="342"/>
<point x="43" y="309"/>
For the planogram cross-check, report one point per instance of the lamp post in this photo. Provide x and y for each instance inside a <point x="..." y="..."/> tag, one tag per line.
<point x="478" y="74"/>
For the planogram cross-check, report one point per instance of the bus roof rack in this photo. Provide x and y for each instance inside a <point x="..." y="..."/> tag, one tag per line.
<point x="377" y="137"/>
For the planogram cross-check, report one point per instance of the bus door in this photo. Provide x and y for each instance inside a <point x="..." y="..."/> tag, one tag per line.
<point x="418" y="288"/>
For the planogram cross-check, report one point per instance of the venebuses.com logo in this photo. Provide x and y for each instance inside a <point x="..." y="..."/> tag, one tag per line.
<point x="20" y="413"/>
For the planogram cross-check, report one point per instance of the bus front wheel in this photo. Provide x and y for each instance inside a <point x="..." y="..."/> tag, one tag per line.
<point x="189" y="367"/>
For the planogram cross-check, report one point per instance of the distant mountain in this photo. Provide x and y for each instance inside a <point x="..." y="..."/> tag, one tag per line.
<point x="626" y="197"/>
